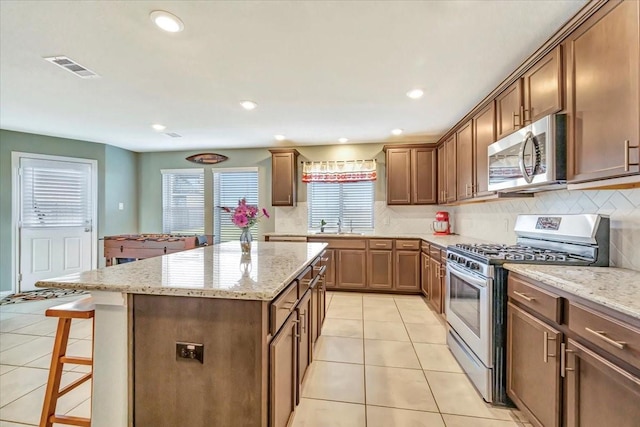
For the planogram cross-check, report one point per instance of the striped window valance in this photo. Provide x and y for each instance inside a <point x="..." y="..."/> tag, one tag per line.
<point x="339" y="171"/>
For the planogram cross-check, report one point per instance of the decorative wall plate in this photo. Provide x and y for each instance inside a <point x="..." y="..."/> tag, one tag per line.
<point x="207" y="158"/>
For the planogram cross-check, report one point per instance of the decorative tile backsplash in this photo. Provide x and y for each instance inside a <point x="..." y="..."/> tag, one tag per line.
<point x="494" y="221"/>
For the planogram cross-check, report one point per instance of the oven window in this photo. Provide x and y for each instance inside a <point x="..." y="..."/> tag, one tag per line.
<point x="464" y="302"/>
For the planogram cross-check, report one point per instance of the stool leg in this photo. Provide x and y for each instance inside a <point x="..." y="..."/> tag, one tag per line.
<point x="55" y="372"/>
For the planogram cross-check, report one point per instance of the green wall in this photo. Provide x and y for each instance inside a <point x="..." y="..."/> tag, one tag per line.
<point x="113" y="163"/>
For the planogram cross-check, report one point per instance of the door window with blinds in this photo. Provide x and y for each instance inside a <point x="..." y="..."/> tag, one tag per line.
<point x="55" y="194"/>
<point x="348" y="202"/>
<point x="229" y="186"/>
<point x="183" y="201"/>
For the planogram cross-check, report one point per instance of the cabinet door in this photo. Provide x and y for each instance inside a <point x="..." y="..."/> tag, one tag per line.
<point x="509" y="110"/>
<point x="451" y="191"/>
<point x="464" y="162"/>
<point x="484" y="134"/>
<point x="602" y="94"/>
<point x="543" y="87"/>
<point x="351" y="266"/>
<point x="407" y="271"/>
<point x="380" y="266"/>
<point x="315" y="316"/>
<point x="435" y="285"/>
<point x="442" y="177"/>
<point x="305" y="314"/>
<point x="398" y="176"/>
<point x="424" y="274"/>
<point x="533" y="367"/>
<point x="598" y="392"/>
<point x="423" y="176"/>
<point x="283" y="179"/>
<point x="330" y="274"/>
<point x="283" y="372"/>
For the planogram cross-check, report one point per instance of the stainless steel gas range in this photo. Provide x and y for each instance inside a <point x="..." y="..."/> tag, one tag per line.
<point x="476" y="294"/>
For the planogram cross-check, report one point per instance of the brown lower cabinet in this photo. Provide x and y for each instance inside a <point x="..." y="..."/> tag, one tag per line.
<point x="424" y="274"/>
<point x="283" y="371"/>
<point x="330" y="262"/>
<point x="569" y="365"/>
<point x="352" y="271"/>
<point x="407" y="270"/>
<point x="533" y="366"/>
<point x="380" y="266"/>
<point x="436" y="288"/>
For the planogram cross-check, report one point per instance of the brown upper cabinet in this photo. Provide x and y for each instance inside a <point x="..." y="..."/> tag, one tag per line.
<point x="509" y="110"/>
<point x="543" y="87"/>
<point x="464" y="164"/>
<point x="450" y="173"/>
<point x="442" y="179"/>
<point x="603" y="94"/>
<point x="484" y="134"/>
<point x="284" y="177"/>
<point x="411" y="178"/>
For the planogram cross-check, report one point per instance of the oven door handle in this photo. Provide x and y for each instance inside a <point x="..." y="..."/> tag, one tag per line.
<point x="466" y="276"/>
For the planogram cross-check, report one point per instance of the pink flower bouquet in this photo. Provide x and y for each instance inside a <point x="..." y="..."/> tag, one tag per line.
<point x="245" y="215"/>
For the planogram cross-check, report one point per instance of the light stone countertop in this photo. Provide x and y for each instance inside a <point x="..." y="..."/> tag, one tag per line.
<point x="218" y="271"/>
<point x="442" y="241"/>
<point x="616" y="288"/>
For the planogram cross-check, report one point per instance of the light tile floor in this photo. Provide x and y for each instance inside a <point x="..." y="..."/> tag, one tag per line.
<point x="382" y="361"/>
<point x="26" y="341"/>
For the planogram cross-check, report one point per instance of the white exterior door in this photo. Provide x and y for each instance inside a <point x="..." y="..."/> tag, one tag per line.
<point x="56" y="216"/>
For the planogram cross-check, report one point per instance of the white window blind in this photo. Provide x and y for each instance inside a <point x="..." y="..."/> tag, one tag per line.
<point x="55" y="193"/>
<point x="228" y="188"/>
<point x="349" y="202"/>
<point x="183" y="201"/>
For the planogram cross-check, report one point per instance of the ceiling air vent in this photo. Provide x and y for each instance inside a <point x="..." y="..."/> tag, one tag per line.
<point x="173" y="135"/>
<point x="72" y="66"/>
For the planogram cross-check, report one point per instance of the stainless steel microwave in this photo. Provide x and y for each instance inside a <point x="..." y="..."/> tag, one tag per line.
<point x="532" y="158"/>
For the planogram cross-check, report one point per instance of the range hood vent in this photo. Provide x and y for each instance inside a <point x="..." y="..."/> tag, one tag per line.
<point x="71" y="66"/>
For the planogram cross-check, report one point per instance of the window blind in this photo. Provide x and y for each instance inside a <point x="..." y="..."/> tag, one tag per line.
<point x="228" y="188"/>
<point x="55" y="193"/>
<point x="350" y="202"/>
<point x="183" y="201"/>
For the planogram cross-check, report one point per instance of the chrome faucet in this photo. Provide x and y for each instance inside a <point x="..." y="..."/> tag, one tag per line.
<point x="339" y="226"/>
<point x="351" y="226"/>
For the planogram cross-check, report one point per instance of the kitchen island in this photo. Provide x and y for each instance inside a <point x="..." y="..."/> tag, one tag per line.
<point x="204" y="337"/>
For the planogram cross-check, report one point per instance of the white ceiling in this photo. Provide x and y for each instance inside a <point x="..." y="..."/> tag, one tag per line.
<point x="319" y="70"/>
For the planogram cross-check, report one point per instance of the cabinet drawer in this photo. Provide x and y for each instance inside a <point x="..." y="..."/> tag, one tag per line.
<point x="424" y="246"/>
<point x="547" y="304"/>
<point x="605" y="332"/>
<point x="304" y="279"/>
<point x="408" y="245"/>
<point x="434" y="252"/>
<point x="282" y="307"/>
<point x="380" y="244"/>
<point x="341" y="243"/>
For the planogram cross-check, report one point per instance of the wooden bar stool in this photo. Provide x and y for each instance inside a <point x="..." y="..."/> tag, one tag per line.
<point x="80" y="309"/>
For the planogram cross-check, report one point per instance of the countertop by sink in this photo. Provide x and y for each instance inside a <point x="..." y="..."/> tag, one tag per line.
<point x="616" y="288"/>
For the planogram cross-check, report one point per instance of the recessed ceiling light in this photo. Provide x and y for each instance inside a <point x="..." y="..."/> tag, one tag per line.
<point x="415" y="93"/>
<point x="166" y="21"/>
<point x="279" y="137"/>
<point x="343" y="140"/>
<point x="248" y="105"/>
<point x="158" y="127"/>
<point x="396" y="131"/>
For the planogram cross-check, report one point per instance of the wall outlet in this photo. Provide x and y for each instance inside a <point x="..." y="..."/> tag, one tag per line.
<point x="121" y="206"/>
<point x="188" y="350"/>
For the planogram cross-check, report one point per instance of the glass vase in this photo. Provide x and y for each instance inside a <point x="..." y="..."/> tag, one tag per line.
<point x="245" y="240"/>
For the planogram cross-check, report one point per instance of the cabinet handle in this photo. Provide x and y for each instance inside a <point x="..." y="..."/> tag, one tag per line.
<point x="545" y="346"/>
<point x="324" y="259"/>
<point x="303" y="315"/>
<point x="563" y="360"/>
<point x="603" y="336"/>
<point x="381" y="244"/>
<point x="407" y="245"/>
<point x="524" y="296"/>
<point x="516" y="125"/>
<point x="289" y="198"/>
<point x="627" y="147"/>
<point x="296" y="334"/>
<point x="524" y="116"/>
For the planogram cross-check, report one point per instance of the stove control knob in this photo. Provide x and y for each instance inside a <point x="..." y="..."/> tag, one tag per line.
<point x="452" y="257"/>
<point x="475" y="266"/>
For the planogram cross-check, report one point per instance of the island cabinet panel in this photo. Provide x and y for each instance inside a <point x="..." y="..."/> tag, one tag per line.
<point x="603" y="75"/>
<point x="352" y="270"/>
<point x="284" y="177"/>
<point x="283" y="371"/>
<point x="543" y="87"/>
<point x="464" y="165"/>
<point x="407" y="271"/>
<point x="533" y="367"/>
<point x="509" y="110"/>
<point x="229" y="386"/>
<point x="380" y="266"/>
<point x="599" y="393"/>
<point x="484" y="134"/>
